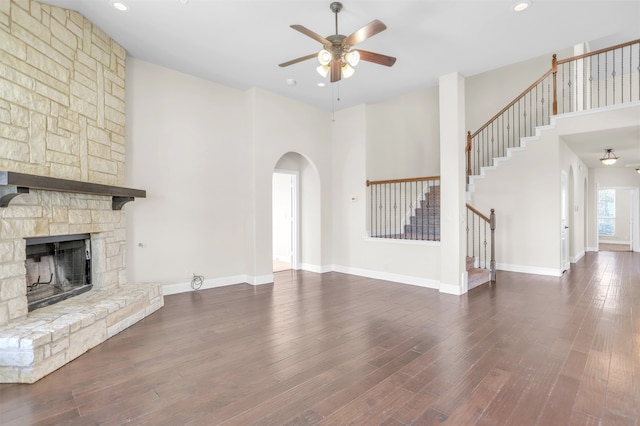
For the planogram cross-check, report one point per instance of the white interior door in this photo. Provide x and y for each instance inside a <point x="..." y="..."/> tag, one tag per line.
<point x="564" y="224"/>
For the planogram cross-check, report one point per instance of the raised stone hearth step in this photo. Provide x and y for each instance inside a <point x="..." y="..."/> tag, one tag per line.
<point x="48" y="338"/>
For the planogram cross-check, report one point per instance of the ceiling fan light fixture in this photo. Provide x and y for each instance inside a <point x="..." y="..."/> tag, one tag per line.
<point x="521" y="6"/>
<point x="609" y="157"/>
<point x="352" y="57"/>
<point x="347" y="70"/>
<point x="120" y="5"/>
<point x="323" y="70"/>
<point x="324" y="57"/>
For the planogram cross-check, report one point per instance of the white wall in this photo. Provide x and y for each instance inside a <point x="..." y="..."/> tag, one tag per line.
<point x="489" y="92"/>
<point x="403" y="136"/>
<point x="205" y="153"/>
<point x="402" y="261"/>
<point x="525" y="191"/>
<point x="282" y="125"/>
<point x="188" y="142"/>
<point x="577" y="173"/>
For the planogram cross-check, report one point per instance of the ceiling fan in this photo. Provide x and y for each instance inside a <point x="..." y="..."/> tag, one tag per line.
<point x="337" y="55"/>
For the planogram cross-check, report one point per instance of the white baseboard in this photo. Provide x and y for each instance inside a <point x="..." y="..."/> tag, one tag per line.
<point x="315" y="268"/>
<point x="575" y="259"/>
<point x="176" y="288"/>
<point x="591" y="249"/>
<point x="615" y="242"/>
<point x="388" y="276"/>
<point x="529" y="269"/>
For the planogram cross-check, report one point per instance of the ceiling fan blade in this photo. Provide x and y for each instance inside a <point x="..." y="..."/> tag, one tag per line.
<point x="376" y="58"/>
<point x="369" y="30"/>
<point x="306" y="31"/>
<point x="336" y="72"/>
<point x="295" y="61"/>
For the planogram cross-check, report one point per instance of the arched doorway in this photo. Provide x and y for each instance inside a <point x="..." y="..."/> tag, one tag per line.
<point x="296" y="198"/>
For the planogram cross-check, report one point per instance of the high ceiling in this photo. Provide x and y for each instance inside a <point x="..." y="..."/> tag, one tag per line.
<point x="239" y="43"/>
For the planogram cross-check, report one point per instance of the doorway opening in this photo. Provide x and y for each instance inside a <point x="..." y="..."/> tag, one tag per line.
<point x="285" y="220"/>
<point x="616" y="210"/>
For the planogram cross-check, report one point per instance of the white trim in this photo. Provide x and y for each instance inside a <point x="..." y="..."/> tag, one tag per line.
<point x="315" y="268"/>
<point x="208" y="283"/>
<point x="575" y="259"/>
<point x="591" y="249"/>
<point x="260" y="279"/>
<point x="453" y="289"/>
<point x="529" y="269"/>
<point x="388" y="276"/>
<point x="603" y="241"/>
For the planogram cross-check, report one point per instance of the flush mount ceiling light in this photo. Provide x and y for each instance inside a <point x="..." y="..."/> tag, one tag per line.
<point x="609" y="157"/>
<point x="119" y="5"/>
<point x="638" y="170"/>
<point x="521" y="6"/>
<point x="337" y="57"/>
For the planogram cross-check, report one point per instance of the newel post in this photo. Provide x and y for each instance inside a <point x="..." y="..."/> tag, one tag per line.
<point x="468" y="151"/>
<point x="554" y="71"/>
<point x="492" y="225"/>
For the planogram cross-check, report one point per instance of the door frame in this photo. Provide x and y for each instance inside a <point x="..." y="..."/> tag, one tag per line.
<point x="294" y="197"/>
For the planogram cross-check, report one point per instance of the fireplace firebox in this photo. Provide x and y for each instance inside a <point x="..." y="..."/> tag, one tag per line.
<point x="58" y="267"/>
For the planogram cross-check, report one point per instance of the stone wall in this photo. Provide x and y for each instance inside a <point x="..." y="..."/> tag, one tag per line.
<point x="62" y="114"/>
<point x="62" y="95"/>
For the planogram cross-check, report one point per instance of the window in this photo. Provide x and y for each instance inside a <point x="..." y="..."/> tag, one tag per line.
<point x="606" y="212"/>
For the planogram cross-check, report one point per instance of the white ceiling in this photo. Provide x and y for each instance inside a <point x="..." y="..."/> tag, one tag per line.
<point x="239" y="43"/>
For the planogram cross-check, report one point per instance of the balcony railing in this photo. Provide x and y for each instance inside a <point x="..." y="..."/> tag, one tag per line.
<point x="594" y="80"/>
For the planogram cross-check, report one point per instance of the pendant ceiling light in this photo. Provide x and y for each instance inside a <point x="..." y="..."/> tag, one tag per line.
<point x="609" y="157"/>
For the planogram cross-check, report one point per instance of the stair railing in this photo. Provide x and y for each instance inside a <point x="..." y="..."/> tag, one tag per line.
<point x="405" y="208"/>
<point x="597" y="79"/>
<point x="481" y="239"/>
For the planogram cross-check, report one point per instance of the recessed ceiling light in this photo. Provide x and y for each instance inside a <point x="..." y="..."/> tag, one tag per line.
<point x="321" y="84"/>
<point x="291" y="82"/>
<point x="119" y="5"/>
<point x="521" y="5"/>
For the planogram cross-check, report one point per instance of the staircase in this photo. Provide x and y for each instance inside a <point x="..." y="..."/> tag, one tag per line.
<point x="424" y="224"/>
<point x="476" y="276"/>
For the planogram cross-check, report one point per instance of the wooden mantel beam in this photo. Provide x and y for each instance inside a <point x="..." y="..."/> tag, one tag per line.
<point x="13" y="184"/>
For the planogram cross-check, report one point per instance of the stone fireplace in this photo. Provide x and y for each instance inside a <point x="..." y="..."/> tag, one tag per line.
<point x="62" y="163"/>
<point x="58" y="267"/>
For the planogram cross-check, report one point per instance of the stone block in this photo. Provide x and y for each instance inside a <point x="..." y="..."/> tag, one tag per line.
<point x="86" y="338"/>
<point x="25" y="20"/>
<point x="17" y="357"/>
<point x="12" y="287"/>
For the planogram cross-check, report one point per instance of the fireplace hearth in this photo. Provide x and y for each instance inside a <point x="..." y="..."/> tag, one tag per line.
<point x="58" y="267"/>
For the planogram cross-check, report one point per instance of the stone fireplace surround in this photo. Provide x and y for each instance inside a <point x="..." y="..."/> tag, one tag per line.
<point x="34" y="344"/>
<point x="62" y="115"/>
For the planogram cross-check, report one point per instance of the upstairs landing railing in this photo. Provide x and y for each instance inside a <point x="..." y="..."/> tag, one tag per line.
<point x="597" y="79"/>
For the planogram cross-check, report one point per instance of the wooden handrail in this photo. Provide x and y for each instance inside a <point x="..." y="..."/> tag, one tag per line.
<point x="597" y="52"/>
<point x="418" y="179"/>
<point x="483" y="217"/>
<point x="554" y="68"/>
<point x="520" y="96"/>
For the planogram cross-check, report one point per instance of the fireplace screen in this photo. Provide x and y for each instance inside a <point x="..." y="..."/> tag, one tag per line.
<point x="58" y="267"/>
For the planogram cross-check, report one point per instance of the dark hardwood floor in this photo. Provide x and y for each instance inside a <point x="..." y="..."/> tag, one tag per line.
<point x="336" y="349"/>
